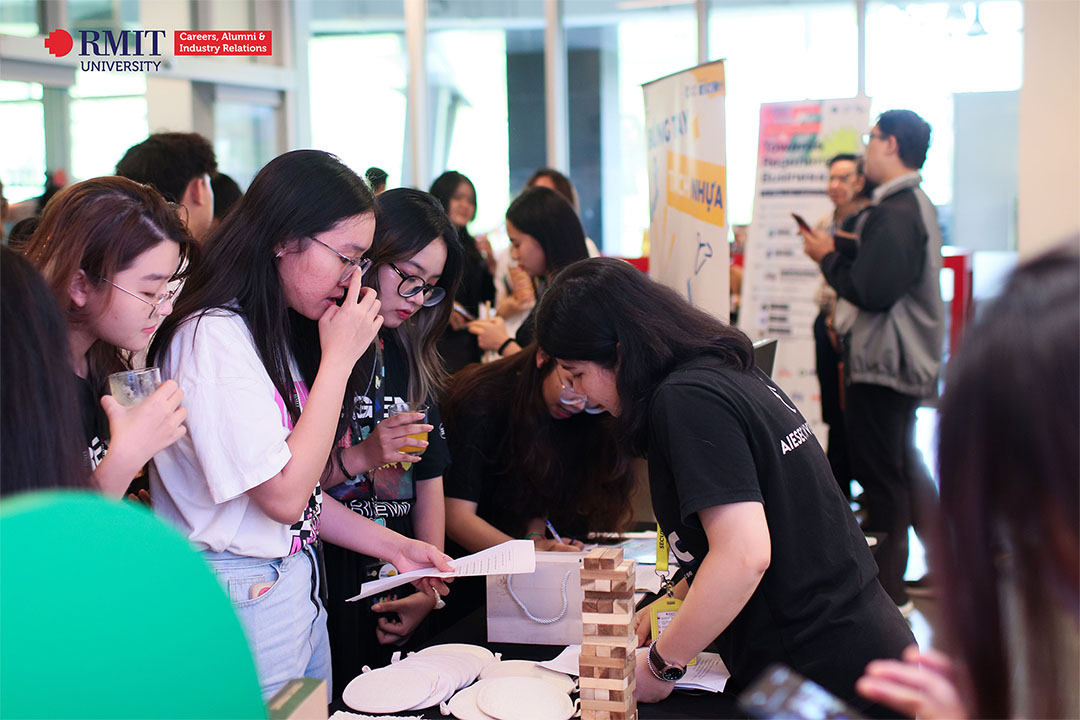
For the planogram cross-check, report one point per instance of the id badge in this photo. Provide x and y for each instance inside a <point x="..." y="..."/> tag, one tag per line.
<point x="661" y="613"/>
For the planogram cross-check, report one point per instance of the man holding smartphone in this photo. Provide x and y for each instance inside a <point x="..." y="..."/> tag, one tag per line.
<point x="890" y="317"/>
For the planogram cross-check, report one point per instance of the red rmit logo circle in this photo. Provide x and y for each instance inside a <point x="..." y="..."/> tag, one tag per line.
<point x="59" y="43"/>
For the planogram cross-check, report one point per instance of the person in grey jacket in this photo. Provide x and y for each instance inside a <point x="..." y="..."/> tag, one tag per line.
<point x="891" y="317"/>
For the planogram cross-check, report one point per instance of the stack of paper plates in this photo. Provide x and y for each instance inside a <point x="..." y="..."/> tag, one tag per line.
<point x="421" y="680"/>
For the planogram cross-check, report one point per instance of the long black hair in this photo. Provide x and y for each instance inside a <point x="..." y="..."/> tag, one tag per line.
<point x="1008" y="459"/>
<point x="294" y="197"/>
<point x="553" y="223"/>
<point x="573" y="467"/>
<point x="409" y="220"/>
<point x="606" y="311"/>
<point x="39" y="419"/>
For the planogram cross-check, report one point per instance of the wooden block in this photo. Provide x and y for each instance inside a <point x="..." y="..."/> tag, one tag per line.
<point x="600" y="661"/>
<point x="623" y="641"/>
<point x="623" y="594"/>
<point x="609" y="672"/>
<point x="590" y="606"/>
<point x="615" y="575"/>
<point x="605" y="559"/>
<point x="609" y="705"/>
<point x="606" y="618"/>
<point x="595" y="714"/>
<point x="605" y="683"/>
<point x="621" y="605"/>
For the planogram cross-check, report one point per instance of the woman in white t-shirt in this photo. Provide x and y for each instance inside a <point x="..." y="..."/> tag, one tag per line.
<point x="244" y="484"/>
<point x="382" y="470"/>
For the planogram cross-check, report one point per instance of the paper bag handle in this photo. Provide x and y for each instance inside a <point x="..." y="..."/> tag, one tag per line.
<point x="541" y="621"/>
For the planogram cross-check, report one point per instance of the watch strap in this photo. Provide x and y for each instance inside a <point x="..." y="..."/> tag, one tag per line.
<point x="661" y="669"/>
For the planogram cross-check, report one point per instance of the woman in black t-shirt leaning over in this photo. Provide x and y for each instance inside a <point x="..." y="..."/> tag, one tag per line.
<point x="733" y="466"/>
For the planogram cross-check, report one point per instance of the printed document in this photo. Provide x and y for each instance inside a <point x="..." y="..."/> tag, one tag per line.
<point x="510" y="558"/>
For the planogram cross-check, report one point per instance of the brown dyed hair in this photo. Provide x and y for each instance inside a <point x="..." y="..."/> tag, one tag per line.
<point x="101" y="226"/>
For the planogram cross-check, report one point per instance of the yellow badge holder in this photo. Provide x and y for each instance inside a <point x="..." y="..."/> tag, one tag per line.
<point x="662" y="612"/>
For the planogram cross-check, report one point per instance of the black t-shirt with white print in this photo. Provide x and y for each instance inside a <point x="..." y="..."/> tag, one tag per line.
<point x="719" y="436"/>
<point x="386" y="494"/>
<point x="95" y="423"/>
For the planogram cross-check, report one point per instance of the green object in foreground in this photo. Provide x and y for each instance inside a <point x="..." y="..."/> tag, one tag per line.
<point x="107" y="612"/>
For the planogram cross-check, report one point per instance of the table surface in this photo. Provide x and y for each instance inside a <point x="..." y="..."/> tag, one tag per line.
<point x="679" y="706"/>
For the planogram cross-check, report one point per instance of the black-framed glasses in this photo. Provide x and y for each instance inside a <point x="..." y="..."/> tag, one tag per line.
<point x="410" y="285"/>
<point x="351" y="265"/>
<point x="154" y="304"/>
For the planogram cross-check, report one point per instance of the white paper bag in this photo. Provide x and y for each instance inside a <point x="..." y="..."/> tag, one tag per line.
<point x="547" y="608"/>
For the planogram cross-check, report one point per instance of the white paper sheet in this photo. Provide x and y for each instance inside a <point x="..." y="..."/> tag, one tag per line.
<point x="509" y="558"/>
<point x="709" y="673"/>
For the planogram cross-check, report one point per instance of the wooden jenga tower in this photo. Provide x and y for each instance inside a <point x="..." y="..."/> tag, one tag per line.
<point x="608" y="641"/>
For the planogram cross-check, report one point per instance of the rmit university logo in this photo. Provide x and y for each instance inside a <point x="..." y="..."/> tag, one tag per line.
<point x="109" y="44"/>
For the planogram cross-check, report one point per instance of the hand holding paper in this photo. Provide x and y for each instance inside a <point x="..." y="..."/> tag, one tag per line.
<point x="509" y="558"/>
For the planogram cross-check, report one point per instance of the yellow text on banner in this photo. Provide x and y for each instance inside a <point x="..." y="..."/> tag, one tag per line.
<point x="696" y="187"/>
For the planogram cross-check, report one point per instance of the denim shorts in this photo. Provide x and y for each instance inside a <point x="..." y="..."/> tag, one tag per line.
<point x="286" y="624"/>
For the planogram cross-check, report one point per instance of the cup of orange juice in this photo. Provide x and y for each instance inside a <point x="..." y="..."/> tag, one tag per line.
<point x="404" y="407"/>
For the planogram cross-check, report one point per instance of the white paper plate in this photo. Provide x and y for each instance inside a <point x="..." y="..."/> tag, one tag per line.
<point x="389" y="690"/>
<point x="463" y="704"/>
<point x="461" y="648"/>
<point x="460" y="673"/>
<point x="524" y="698"/>
<point x="529" y="669"/>
<point x="444" y="689"/>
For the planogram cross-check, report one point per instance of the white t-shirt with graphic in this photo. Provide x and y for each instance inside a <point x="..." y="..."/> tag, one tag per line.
<point x="238" y="425"/>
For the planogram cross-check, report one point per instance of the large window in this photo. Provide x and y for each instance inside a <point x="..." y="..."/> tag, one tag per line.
<point x="245" y="135"/>
<point x="19" y="17"/>
<point x="22" y="163"/>
<point x="777" y="53"/>
<point x="919" y="56"/>
<point x="468" y="113"/>
<point x="671" y="39"/>
<point x="108" y="115"/>
<point x="358" y="85"/>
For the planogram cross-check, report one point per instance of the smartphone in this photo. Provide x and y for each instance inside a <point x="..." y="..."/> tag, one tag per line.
<point x="780" y="692"/>
<point x="461" y="309"/>
<point x="803" y="225"/>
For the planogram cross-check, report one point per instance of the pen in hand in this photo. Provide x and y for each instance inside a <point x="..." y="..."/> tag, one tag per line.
<point x="551" y="529"/>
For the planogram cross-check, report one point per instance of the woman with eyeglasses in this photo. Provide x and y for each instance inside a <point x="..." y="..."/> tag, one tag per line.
<point x="546" y="235"/>
<point x="283" y="273"/>
<point x="378" y="470"/>
<point x="525" y="449"/>
<point x="108" y="248"/>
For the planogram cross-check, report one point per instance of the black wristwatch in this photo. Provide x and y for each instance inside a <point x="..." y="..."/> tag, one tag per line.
<point x="662" y="669"/>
